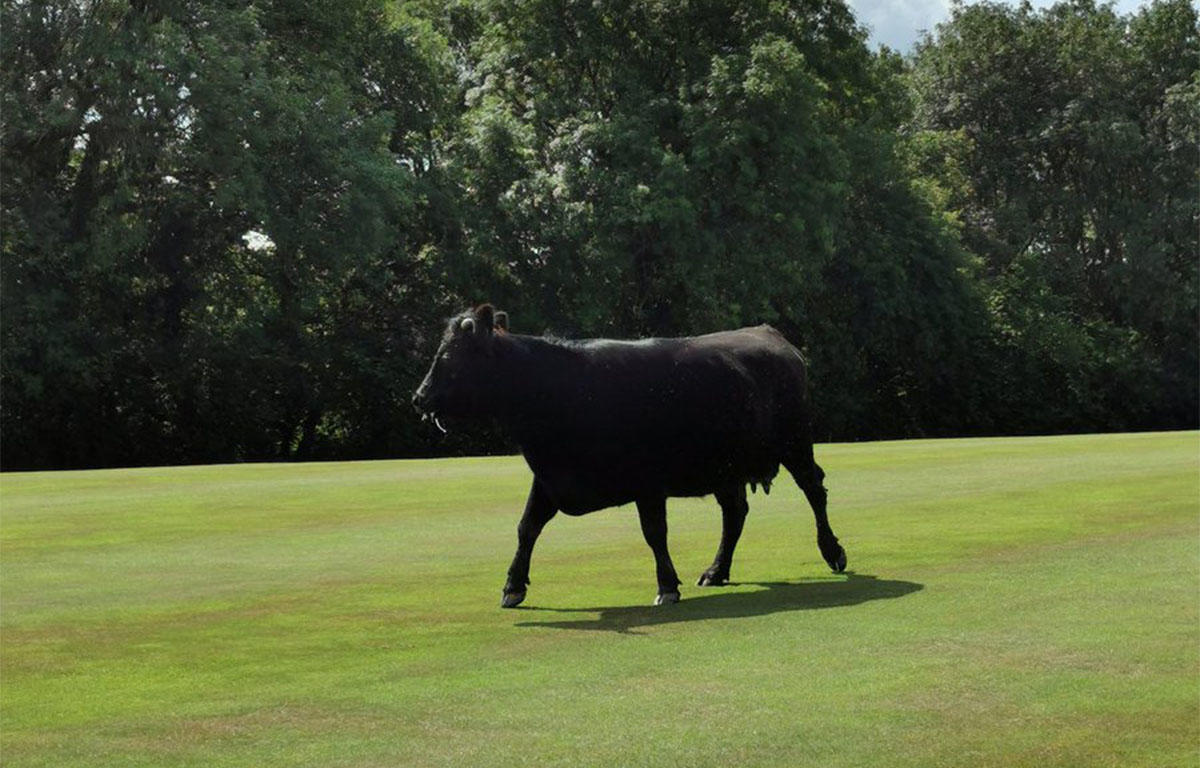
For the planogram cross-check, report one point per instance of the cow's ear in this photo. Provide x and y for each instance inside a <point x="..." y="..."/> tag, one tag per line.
<point x="485" y="316"/>
<point x="501" y="320"/>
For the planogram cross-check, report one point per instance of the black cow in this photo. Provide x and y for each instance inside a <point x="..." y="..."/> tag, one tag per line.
<point x="604" y="422"/>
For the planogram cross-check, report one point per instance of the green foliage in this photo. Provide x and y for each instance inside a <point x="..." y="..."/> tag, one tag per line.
<point x="231" y="230"/>
<point x="656" y="182"/>
<point x="668" y="182"/>
<point x="142" y="143"/>
<point x="1065" y="142"/>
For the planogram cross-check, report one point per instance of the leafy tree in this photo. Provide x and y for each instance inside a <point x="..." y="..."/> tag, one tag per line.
<point x="142" y="142"/>
<point x="682" y="167"/>
<point x="231" y="229"/>
<point x="1071" y="133"/>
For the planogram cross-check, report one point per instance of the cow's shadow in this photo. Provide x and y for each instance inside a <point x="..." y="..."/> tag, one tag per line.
<point x="713" y="603"/>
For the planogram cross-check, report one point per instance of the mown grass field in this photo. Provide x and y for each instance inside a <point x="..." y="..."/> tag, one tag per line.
<point x="1012" y="602"/>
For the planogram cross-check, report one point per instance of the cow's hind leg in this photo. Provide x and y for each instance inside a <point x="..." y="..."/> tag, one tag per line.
<point x="733" y="516"/>
<point x="653" y="515"/>
<point x="809" y="477"/>
<point x="538" y="511"/>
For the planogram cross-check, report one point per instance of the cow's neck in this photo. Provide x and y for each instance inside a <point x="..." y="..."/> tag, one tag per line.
<point x="533" y="386"/>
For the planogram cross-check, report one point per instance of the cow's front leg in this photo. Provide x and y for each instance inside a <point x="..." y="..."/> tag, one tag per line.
<point x="538" y="511"/>
<point x="653" y="516"/>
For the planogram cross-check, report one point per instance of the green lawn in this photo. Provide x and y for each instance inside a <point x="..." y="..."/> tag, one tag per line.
<point x="1031" y="601"/>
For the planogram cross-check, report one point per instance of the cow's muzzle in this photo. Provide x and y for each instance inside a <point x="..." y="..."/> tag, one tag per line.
<point x="421" y="402"/>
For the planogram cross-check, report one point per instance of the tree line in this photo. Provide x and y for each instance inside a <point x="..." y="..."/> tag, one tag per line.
<point x="231" y="230"/>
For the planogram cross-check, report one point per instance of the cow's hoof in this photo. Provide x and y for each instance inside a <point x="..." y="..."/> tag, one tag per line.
<point x="512" y="599"/>
<point x="713" y="578"/>
<point x="666" y="598"/>
<point x="838" y="564"/>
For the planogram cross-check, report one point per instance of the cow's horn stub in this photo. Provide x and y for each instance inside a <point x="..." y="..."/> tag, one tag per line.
<point x="485" y="314"/>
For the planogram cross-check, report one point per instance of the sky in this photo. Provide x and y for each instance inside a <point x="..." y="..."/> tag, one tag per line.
<point x="899" y="23"/>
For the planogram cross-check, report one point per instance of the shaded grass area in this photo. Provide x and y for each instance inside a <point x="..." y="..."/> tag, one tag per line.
<point x="775" y="597"/>
<point x="1028" y="601"/>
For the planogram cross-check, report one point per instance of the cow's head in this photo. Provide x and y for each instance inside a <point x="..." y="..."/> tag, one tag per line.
<point x="459" y="381"/>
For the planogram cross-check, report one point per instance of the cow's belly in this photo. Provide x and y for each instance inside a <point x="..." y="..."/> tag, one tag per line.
<point x="581" y="486"/>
